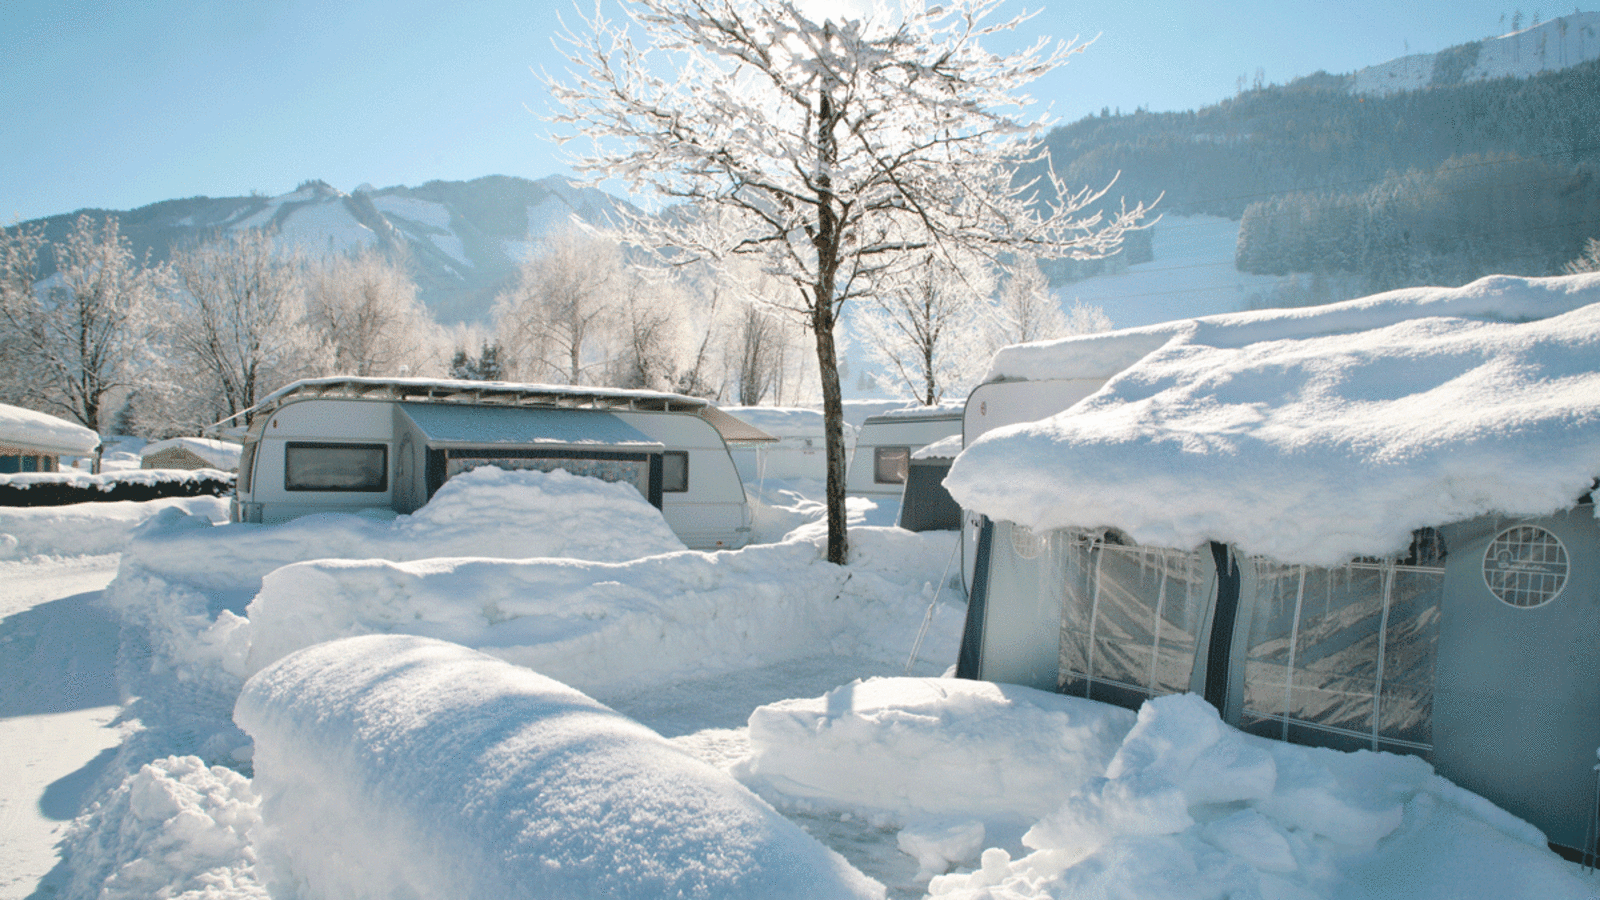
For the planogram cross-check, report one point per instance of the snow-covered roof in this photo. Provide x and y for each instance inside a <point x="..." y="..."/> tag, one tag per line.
<point x="222" y="455"/>
<point x="947" y="447"/>
<point x="26" y="429"/>
<point x="493" y="393"/>
<point x="945" y="410"/>
<point x="1313" y="435"/>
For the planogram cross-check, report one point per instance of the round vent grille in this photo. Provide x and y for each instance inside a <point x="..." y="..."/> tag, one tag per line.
<point x="1024" y="543"/>
<point x="1525" y="566"/>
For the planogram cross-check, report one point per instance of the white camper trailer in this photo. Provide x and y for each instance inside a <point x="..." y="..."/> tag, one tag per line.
<point x="347" y="444"/>
<point x="799" y="450"/>
<point x="884" y="445"/>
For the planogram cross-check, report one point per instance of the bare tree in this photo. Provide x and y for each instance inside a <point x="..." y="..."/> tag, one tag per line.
<point x="240" y="322"/>
<point x="366" y="307"/>
<point x="20" y="248"/>
<point x="836" y="152"/>
<point x="1027" y="311"/>
<point x="564" y="297"/>
<point x="928" y="328"/>
<point x="84" y="336"/>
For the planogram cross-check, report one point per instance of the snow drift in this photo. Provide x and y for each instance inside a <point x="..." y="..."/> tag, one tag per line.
<point x="1312" y="436"/>
<point x="1171" y="804"/>
<point x="398" y="766"/>
<point x="92" y="528"/>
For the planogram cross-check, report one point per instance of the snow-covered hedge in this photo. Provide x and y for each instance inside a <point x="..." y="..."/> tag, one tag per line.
<point x="64" y="488"/>
<point x="404" y="767"/>
<point x="92" y="528"/>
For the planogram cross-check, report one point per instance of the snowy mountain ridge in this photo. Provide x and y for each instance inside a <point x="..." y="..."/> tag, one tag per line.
<point x="462" y="240"/>
<point x="1547" y="46"/>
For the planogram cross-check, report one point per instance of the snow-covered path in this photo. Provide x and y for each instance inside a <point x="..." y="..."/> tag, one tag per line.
<point x="58" y="706"/>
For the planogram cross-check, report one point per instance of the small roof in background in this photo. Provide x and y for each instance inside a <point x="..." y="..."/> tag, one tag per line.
<point x="222" y="455"/>
<point x="37" y="432"/>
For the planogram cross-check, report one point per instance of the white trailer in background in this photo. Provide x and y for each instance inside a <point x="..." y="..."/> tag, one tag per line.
<point x="348" y="444"/>
<point x="882" y="458"/>
<point x="798" y="451"/>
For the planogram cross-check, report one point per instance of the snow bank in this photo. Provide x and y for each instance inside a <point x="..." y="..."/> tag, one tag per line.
<point x="394" y="766"/>
<point x="598" y="626"/>
<point x="921" y="747"/>
<point x="37" y="432"/>
<point x="487" y="512"/>
<point x="174" y="828"/>
<point x="1311" y="436"/>
<point x="1191" y="808"/>
<point x="1170" y="804"/>
<point x="605" y="627"/>
<point x="91" y="528"/>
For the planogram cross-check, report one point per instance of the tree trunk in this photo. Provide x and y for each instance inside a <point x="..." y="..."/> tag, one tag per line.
<point x="832" y="429"/>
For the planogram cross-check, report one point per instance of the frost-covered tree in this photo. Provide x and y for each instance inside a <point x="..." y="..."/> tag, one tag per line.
<point x="553" y="320"/>
<point x="1025" y="310"/>
<point x="927" y="328"/>
<point x="239" y="325"/>
<point x="836" y="152"/>
<point x="83" y="333"/>
<point x="1589" y="261"/>
<point x="366" y="307"/>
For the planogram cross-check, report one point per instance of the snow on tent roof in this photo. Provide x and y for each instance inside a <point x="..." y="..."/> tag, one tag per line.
<point x="475" y="425"/>
<point x="1314" y="436"/>
<point x="221" y="454"/>
<point x="37" y="432"/>
<point x="944" y="448"/>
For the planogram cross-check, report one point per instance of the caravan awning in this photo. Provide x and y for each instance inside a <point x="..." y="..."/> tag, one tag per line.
<point x="452" y="425"/>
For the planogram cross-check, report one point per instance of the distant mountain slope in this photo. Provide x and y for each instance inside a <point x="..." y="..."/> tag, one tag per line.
<point x="1557" y="44"/>
<point x="462" y="239"/>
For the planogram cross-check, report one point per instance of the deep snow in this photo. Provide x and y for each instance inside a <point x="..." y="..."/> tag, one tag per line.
<point x="1313" y="435"/>
<point x="749" y="661"/>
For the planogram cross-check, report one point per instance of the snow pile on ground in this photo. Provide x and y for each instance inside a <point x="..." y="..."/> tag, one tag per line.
<point x="1190" y="808"/>
<point x="487" y="512"/>
<point x="91" y="528"/>
<point x="175" y="828"/>
<point x="1311" y="436"/>
<point x="1175" y="805"/>
<point x="394" y="766"/>
<point x="605" y="627"/>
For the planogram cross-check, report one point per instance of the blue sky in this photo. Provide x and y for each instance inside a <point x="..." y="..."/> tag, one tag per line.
<point x="116" y="104"/>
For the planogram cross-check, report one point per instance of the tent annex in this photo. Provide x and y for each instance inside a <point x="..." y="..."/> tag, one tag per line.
<point x="33" y="441"/>
<point x="1365" y="525"/>
<point x="347" y="444"/>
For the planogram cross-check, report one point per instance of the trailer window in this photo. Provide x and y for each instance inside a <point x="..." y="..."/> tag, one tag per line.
<point x="311" y="466"/>
<point x="675" y="472"/>
<point x="890" y="464"/>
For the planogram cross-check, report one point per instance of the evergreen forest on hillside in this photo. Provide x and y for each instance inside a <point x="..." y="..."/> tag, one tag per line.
<point x="1435" y="186"/>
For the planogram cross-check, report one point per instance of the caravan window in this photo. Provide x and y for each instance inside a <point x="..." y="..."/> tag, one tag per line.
<point x="675" y="471"/>
<point x="890" y="464"/>
<point x="309" y="466"/>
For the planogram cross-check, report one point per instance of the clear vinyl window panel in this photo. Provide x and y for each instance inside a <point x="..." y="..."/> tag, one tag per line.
<point x="1131" y="617"/>
<point x="1347" y="651"/>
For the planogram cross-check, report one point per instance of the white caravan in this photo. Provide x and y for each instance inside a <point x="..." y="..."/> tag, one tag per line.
<point x="884" y="445"/>
<point x="347" y="444"/>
